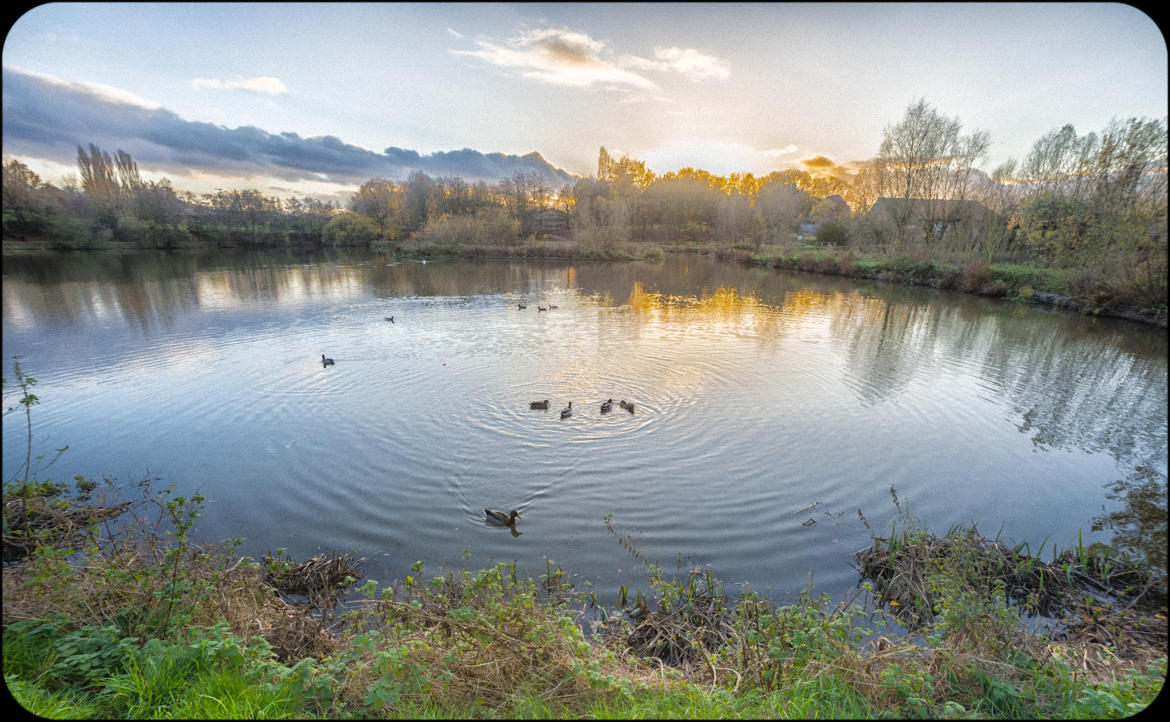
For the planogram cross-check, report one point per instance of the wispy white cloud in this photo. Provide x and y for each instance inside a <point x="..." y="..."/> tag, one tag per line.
<point x="780" y="152"/>
<point x="691" y="63"/>
<point x="266" y="85"/>
<point x="455" y="33"/>
<point x="559" y="56"/>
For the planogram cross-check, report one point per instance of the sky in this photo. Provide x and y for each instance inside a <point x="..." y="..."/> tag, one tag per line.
<point x="314" y="99"/>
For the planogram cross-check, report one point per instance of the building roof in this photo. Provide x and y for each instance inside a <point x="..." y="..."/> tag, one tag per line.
<point x="938" y="208"/>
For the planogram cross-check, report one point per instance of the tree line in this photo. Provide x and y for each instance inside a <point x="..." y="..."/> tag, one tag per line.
<point x="1074" y="200"/>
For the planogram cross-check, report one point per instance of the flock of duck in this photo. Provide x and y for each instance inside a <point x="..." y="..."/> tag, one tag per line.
<point x="499" y="517"/>
<point x="606" y="406"/>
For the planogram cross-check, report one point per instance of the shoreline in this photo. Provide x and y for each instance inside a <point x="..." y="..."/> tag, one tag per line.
<point x="998" y="281"/>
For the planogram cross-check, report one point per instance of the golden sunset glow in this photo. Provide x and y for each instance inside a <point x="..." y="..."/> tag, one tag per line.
<point x="737" y="92"/>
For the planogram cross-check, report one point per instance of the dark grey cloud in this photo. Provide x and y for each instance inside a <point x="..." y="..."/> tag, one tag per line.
<point x="46" y="119"/>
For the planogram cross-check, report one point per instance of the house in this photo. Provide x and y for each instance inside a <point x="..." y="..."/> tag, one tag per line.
<point x="943" y="213"/>
<point x="550" y="220"/>
<point x="833" y="208"/>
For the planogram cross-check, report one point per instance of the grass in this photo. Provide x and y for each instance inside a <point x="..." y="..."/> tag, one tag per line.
<point x="531" y="249"/>
<point x="1086" y="290"/>
<point x="489" y="644"/>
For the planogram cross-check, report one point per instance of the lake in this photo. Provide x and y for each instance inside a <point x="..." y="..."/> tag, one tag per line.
<point x="758" y="393"/>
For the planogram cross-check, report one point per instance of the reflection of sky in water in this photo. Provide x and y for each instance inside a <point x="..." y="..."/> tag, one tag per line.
<point x="758" y="393"/>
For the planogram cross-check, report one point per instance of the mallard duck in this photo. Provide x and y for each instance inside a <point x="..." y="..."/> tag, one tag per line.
<point x="539" y="404"/>
<point x="500" y="517"/>
<point x="326" y="361"/>
<point x="607" y="406"/>
<point x="390" y="319"/>
<point x="567" y="411"/>
<point x="521" y="307"/>
<point x="541" y="308"/>
<point x="552" y="306"/>
<point x="627" y="405"/>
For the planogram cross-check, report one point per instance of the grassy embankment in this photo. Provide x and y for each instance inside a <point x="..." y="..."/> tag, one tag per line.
<point x="112" y="610"/>
<point x="1092" y="291"/>
<point x="1089" y="290"/>
<point x="531" y="249"/>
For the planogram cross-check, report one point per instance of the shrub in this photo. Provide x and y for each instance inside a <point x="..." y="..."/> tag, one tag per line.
<point x="847" y="264"/>
<point x="489" y="226"/>
<point x="349" y="229"/>
<point x="832" y="232"/>
<point x="976" y="276"/>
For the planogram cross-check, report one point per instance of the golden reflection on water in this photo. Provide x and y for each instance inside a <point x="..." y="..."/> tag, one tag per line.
<point x="725" y="307"/>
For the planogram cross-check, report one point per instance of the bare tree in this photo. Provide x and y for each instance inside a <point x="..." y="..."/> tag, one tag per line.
<point x="927" y="159"/>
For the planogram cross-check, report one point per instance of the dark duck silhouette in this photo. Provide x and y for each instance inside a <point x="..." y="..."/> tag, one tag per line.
<point x="607" y="406"/>
<point x="326" y="361"/>
<point x="499" y="517"/>
<point x="538" y="404"/>
<point x="567" y="411"/>
<point x="627" y="405"/>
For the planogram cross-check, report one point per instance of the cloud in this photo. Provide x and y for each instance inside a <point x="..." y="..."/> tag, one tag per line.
<point x="559" y="56"/>
<point x="49" y="118"/>
<point x="691" y="63"/>
<point x="779" y="152"/>
<point x="266" y="85"/>
<point x="105" y="92"/>
<point x="817" y="161"/>
<point x="821" y="165"/>
<point x="455" y="33"/>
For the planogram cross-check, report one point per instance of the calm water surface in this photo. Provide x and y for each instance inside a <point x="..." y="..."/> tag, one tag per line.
<point x="757" y="393"/>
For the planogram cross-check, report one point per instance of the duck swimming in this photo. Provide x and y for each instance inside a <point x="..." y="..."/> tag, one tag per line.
<point x="567" y="411"/>
<point x="500" y="517"/>
<point x="520" y="307"/>
<point x="607" y="406"/>
<point x="541" y="308"/>
<point x="326" y="361"/>
<point x="539" y="404"/>
<point x="390" y="319"/>
<point x="627" y="405"/>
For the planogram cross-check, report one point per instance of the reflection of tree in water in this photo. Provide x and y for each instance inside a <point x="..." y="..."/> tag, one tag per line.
<point x="1084" y="390"/>
<point x="1139" y="526"/>
<point x="1076" y="383"/>
<point x="884" y="345"/>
